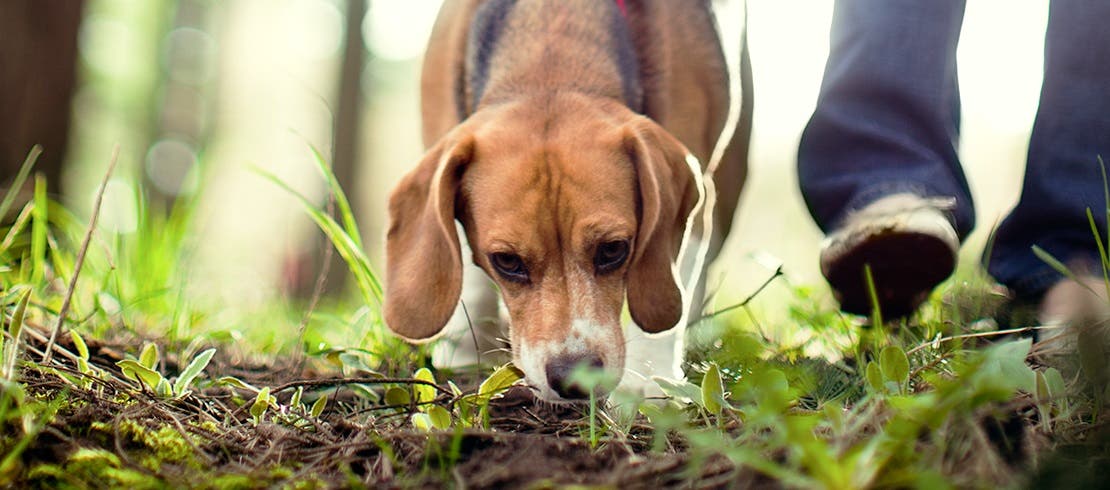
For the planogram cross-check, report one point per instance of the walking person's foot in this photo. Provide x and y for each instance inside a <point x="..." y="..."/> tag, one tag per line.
<point x="910" y="245"/>
<point x="1074" y="316"/>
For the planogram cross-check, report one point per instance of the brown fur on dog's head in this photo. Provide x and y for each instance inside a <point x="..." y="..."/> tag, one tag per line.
<point x="550" y="188"/>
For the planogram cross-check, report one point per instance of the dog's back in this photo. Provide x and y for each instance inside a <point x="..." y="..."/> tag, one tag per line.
<point x="661" y="58"/>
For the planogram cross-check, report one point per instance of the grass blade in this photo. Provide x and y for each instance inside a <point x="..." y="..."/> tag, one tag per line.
<point x="1103" y="259"/>
<point x="18" y="226"/>
<point x="39" y="229"/>
<point x="20" y="178"/>
<point x="1105" y="194"/>
<point x="341" y="202"/>
<point x="15" y="329"/>
<point x="873" y="295"/>
<point x="1059" y="266"/>
<point x="348" y="248"/>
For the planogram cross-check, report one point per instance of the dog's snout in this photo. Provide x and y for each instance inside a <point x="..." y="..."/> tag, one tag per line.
<point x="560" y="371"/>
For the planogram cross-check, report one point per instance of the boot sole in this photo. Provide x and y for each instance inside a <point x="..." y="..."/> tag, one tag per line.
<point x="905" y="267"/>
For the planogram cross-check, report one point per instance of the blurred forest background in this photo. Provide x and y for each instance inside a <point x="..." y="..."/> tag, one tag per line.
<point x="199" y="92"/>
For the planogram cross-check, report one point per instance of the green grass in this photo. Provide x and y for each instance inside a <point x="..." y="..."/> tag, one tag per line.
<point x="822" y="400"/>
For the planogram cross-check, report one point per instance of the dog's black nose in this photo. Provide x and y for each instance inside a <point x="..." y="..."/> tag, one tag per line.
<point x="561" y="369"/>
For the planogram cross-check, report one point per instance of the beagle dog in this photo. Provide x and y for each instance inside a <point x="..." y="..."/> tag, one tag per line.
<point x="565" y="137"/>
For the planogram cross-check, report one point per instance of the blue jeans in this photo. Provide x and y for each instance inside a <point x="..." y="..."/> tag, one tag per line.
<point x="888" y="118"/>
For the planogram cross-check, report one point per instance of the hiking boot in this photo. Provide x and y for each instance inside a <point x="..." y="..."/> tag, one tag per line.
<point x="909" y="243"/>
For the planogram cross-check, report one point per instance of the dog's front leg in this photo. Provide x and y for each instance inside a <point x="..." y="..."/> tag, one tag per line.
<point x="648" y="356"/>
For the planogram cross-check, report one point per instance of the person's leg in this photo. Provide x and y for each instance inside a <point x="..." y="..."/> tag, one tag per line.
<point x="1063" y="180"/>
<point x="886" y="124"/>
<point x="1062" y="175"/>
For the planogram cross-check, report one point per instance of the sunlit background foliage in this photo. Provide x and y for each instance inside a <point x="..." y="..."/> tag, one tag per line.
<point x="200" y="92"/>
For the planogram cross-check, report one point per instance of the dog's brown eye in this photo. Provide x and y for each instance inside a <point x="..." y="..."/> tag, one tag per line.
<point x="610" y="256"/>
<point x="510" y="266"/>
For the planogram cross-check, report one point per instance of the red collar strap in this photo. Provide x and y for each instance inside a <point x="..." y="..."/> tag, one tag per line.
<point x="623" y="7"/>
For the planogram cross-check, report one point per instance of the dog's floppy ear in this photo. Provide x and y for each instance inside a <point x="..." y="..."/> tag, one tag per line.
<point x="668" y="193"/>
<point x="423" y="261"/>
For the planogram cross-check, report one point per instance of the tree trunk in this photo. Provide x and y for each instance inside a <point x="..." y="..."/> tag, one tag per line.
<point x="345" y="150"/>
<point x="38" y="73"/>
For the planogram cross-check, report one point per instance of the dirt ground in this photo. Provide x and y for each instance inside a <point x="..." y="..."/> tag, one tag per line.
<point x="209" y="440"/>
<point x="528" y="444"/>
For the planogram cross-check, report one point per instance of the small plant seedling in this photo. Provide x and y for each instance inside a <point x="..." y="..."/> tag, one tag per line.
<point x="429" y="416"/>
<point x="143" y="371"/>
<point x="262" y="402"/>
<point x="82" y="361"/>
<point x="713" y="391"/>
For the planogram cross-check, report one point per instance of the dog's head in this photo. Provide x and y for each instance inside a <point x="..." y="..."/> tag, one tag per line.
<point x="570" y="205"/>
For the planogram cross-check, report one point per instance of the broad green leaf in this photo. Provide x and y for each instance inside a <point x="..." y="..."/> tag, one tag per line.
<point x="681" y="390"/>
<point x="149" y="355"/>
<point x="874" y="377"/>
<point x="772" y="388"/>
<point x="440" y="417"/>
<point x="139" y="372"/>
<point x="422" y="392"/>
<point x="1004" y="366"/>
<point x="894" y="365"/>
<point x="397" y="397"/>
<point x="319" y="405"/>
<point x="500" y="380"/>
<point x="777" y="380"/>
<point x="712" y="390"/>
<point x="1057" y="389"/>
<point x="649" y="410"/>
<point x="79" y="344"/>
<point x="834" y="413"/>
<point x="422" y="421"/>
<point x="1054" y="381"/>
<point x="261" y="403"/>
<point x="185" y="380"/>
